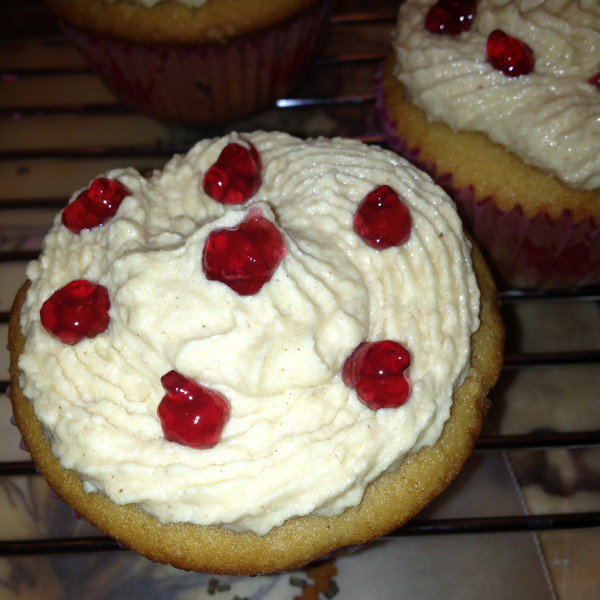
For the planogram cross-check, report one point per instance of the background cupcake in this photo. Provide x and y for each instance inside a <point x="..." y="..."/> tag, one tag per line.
<point x="196" y="61"/>
<point x="500" y="101"/>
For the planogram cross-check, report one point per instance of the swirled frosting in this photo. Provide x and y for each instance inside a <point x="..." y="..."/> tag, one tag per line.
<point x="550" y="117"/>
<point x="298" y="440"/>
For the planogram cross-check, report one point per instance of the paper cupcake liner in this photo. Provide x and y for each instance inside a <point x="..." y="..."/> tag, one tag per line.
<point x="211" y="83"/>
<point x="526" y="253"/>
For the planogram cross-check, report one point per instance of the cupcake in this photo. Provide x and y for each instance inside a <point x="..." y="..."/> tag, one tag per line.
<point x="500" y="102"/>
<point x="196" y="61"/>
<point x="269" y="350"/>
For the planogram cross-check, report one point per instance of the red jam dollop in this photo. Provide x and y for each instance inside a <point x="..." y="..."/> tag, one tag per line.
<point x="236" y="175"/>
<point x="382" y="220"/>
<point x="451" y="17"/>
<point x="94" y="206"/>
<point x="595" y="80"/>
<point x="508" y="54"/>
<point x="377" y="372"/>
<point x="76" y="311"/>
<point x="244" y="257"/>
<point x="190" y="414"/>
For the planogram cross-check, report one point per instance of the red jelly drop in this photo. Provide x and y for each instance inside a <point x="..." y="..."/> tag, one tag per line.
<point x="191" y="414"/>
<point x="244" y="257"/>
<point x="377" y="371"/>
<point x="382" y="219"/>
<point x="236" y="176"/>
<point x="94" y="206"/>
<point x="595" y="80"/>
<point x="508" y="54"/>
<point x="76" y="311"/>
<point x="451" y="17"/>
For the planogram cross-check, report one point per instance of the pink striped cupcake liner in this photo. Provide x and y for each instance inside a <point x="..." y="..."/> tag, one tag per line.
<point x="210" y="83"/>
<point x="525" y="253"/>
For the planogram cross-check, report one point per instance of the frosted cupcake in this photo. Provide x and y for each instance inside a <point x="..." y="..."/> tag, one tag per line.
<point x="269" y="350"/>
<point x="500" y="102"/>
<point x="196" y="61"/>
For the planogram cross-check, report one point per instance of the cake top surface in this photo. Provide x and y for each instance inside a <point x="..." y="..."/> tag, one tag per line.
<point x="179" y="316"/>
<point x="524" y="72"/>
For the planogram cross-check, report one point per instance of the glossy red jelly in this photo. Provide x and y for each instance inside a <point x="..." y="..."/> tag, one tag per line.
<point x="236" y="175"/>
<point x="508" y="54"/>
<point x="191" y="414"/>
<point x="76" y="311"/>
<point x="377" y="372"/>
<point x="244" y="257"/>
<point x="95" y="206"/>
<point x="382" y="220"/>
<point x="595" y="80"/>
<point x="451" y="17"/>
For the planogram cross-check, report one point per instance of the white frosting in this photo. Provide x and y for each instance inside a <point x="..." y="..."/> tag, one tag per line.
<point x="550" y="117"/>
<point x="298" y="441"/>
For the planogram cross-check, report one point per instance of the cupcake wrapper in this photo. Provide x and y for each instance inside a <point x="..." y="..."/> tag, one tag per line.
<point x="526" y="253"/>
<point x="207" y="83"/>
